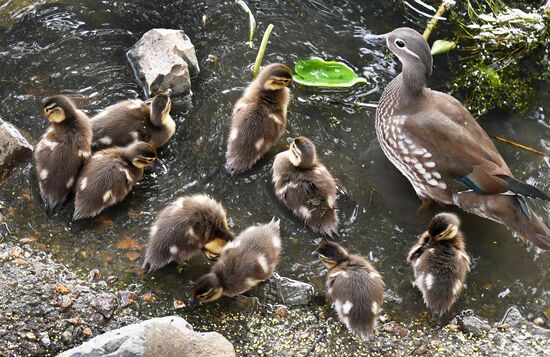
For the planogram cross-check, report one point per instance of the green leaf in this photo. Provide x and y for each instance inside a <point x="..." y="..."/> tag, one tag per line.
<point x="442" y="46"/>
<point x="316" y="72"/>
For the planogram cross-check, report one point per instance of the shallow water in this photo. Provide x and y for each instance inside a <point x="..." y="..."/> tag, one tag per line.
<point x="77" y="47"/>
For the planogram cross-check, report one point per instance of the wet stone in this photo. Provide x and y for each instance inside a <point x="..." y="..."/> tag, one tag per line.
<point x="245" y="304"/>
<point x="473" y="325"/>
<point x="128" y="298"/>
<point x="279" y="289"/>
<point x="515" y="319"/>
<point x="44" y="339"/>
<point x="65" y="302"/>
<point x="67" y="335"/>
<point x="105" y="304"/>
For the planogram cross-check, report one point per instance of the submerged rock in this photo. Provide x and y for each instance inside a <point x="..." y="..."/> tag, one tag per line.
<point x="164" y="59"/>
<point x="13" y="147"/>
<point x="163" y="336"/>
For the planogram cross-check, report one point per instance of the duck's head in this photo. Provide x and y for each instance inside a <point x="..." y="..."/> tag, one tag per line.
<point x="213" y="248"/>
<point x="275" y="76"/>
<point x="408" y="45"/>
<point x="160" y="108"/>
<point x="207" y="289"/>
<point x="140" y="154"/>
<point x="444" y="226"/>
<point x="302" y="152"/>
<point x="331" y="254"/>
<point x="58" y="108"/>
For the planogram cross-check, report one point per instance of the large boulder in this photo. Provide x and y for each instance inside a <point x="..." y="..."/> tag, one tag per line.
<point x="13" y="147"/>
<point x="164" y="336"/>
<point x="163" y="59"/>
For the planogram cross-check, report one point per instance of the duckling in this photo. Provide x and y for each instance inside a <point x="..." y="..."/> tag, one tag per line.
<point x="134" y="120"/>
<point x="440" y="262"/>
<point x="62" y="150"/>
<point x="259" y="118"/>
<point x="354" y="286"/>
<point x="187" y="226"/>
<point x="305" y="186"/>
<point x="245" y="262"/>
<point x="108" y="177"/>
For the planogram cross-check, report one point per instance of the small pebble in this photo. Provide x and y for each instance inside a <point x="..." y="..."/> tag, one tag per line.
<point x="539" y="321"/>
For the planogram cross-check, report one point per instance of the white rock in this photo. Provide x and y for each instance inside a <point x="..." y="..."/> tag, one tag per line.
<point x="13" y="147"/>
<point x="163" y="59"/>
<point x="163" y="336"/>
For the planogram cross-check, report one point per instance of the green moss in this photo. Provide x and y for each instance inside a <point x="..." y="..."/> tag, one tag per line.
<point x="503" y="52"/>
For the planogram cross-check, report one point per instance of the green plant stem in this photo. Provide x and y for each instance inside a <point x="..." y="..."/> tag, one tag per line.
<point x="445" y="5"/>
<point x="261" y="51"/>
<point x="251" y="20"/>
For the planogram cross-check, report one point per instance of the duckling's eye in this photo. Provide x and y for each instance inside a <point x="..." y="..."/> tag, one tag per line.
<point x="399" y="43"/>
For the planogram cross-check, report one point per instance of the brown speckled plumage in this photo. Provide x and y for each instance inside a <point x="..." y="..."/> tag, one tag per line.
<point x="107" y="178"/>
<point x="245" y="262"/>
<point x="435" y="142"/>
<point x="440" y="264"/>
<point x="309" y="191"/>
<point x="183" y="228"/>
<point x="62" y="151"/>
<point x="134" y="120"/>
<point x="259" y="120"/>
<point x="355" y="288"/>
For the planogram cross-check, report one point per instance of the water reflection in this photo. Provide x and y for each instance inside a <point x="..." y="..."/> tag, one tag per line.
<point x="78" y="48"/>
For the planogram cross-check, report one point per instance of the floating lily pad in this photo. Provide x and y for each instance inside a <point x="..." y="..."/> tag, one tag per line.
<point x="317" y="72"/>
<point x="442" y="46"/>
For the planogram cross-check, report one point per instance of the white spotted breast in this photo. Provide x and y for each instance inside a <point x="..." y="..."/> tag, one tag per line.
<point x="411" y="158"/>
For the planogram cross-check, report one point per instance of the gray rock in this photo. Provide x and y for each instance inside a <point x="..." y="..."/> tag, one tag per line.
<point x="288" y="291"/>
<point x="514" y="318"/>
<point x="473" y="325"/>
<point x="105" y="304"/>
<point x="163" y="59"/>
<point x="13" y="147"/>
<point x="45" y="339"/>
<point x="163" y="336"/>
<point x="67" y="335"/>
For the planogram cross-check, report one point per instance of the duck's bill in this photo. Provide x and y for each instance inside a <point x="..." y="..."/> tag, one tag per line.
<point x="376" y="40"/>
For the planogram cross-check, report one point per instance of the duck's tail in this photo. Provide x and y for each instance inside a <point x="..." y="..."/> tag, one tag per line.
<point x="510" y="210"/>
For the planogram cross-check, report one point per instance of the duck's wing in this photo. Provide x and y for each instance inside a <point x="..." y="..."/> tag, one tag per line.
<point x="456" y="145"/>
<point x="419" y="248"/>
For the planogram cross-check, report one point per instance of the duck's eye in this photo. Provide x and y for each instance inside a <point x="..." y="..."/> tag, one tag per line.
<point x="399" y="43"/>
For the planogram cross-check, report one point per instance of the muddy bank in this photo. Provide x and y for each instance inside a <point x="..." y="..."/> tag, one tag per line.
<point x="47" y="309"/>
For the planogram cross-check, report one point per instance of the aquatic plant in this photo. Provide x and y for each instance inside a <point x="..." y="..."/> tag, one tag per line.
<point x="261" y="51"/>
<point x="503" y="52"/>
<point x="442" y="46"/>
<point x="251" y="20"/>
<point x="316" y="72"/>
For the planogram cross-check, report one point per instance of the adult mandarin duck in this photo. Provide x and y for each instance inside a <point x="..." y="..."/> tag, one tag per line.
<point x="434" y="141"/>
